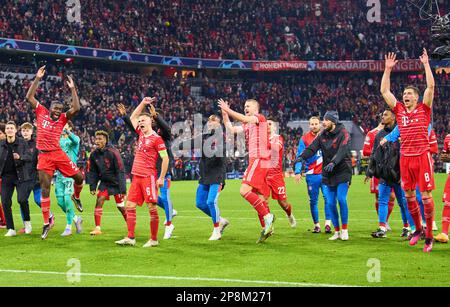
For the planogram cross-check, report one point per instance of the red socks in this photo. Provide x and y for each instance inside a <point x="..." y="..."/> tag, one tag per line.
<point x="2" y="216"/>
<point x="154" y="223"/>
<point x="391" y="205"/>
<point x="288" y="209"/>
<point x="98" y="215"/>
<point x="257" y="203"/>
<point x="45" y="206"/>
<point x="414" y="210"/>
<point x="261" y="220"/>
<point x="77" y="190"/>
<point x="428" y="204"/>
<point x="131" y="222"/>
<point x="446" y="218"/>
<point x="377" y="205"/>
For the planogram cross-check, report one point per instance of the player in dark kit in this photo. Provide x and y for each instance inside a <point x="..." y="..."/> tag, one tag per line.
<point x="106" y="167"/>
<point x="413" y="119"/>
<point x="212" y="173"/>
<point x="334" y="143"/>
<point x="50" y="124"/>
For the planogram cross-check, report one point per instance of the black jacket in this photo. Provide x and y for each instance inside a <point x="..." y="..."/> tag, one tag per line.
<point x="35" y="153"/>
<point x="106" y="166"/>
<point x="213" y="160"/>
<point x="384" y="162"/>
<point x="163" y="129"/>
<point x="24" y="166"/>
<point x="335" y="147"/>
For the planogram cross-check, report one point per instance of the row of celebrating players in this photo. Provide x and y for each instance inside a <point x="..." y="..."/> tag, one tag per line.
<point x="57" y="149"/>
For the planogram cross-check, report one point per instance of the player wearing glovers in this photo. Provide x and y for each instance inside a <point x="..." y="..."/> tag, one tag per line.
<point x="144" y="186"/>
<point x="50" y="124"/>
<point x="415" y="159"/>
<point x="445" y="157"/>
<point x="313" y="175"/>
<point x="385" y="164"/>
<point x="212" y="173"/>
<point x="70" y="144"/>
<point x="275" y="176"/>
<point x="334" y="143"/>
<point x="367" y="151"/>
<point x="254" y="187"/>
<point x="162" y="128"/>
<point x="26" y="129"/>
<point x="2" y="214"/>
<point x="106" y="176"/>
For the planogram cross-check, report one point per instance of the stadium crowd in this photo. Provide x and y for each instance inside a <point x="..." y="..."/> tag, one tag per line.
<point x="355" y="96"/>
<point x="250" y="30"/>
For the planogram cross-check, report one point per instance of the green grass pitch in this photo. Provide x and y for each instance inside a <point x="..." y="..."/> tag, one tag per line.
<point x="292" y="257"/>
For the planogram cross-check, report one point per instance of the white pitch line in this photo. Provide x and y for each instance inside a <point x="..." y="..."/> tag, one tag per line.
<point x="224" y="280"/>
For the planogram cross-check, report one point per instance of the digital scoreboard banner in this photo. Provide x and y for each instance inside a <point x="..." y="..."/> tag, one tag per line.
<point x="196" y="63"/>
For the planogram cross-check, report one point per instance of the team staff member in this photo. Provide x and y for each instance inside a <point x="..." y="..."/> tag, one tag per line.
<point x="212" y="173"/>
<point x="334" y="143"/>
<point x="15" y="170"/>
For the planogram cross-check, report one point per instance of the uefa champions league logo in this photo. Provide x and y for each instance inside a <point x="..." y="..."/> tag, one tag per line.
<point x="74" y="11"/>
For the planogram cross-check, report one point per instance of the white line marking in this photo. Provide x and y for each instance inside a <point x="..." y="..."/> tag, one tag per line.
<point x="224" y="280"/>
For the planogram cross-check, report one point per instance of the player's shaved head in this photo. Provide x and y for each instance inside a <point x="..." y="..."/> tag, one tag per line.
<point x="56" y="108"/>
<point x="251" y="107"/>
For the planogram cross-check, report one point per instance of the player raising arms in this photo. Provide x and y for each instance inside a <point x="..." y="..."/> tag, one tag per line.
<point x="254" y="187"/>
<point x="50" y="124"/>
<point x="106" y="167"/>
<point x="275" y="176"/>
<point x="144" y="187"/>
<point x="415" y="158"/>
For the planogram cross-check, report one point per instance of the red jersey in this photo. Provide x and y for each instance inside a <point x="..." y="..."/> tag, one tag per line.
<point x="433" y="143"/>
<point x="313" y="164"/>
<point x="413" y="128"/>
<point x="257" y="139"/>
<point x="147" y="151"/>
<point x="276" y="155"/>
<point x="48" y="131"/>
<point x="447" y="144"/>
<point x="369" y="141"/>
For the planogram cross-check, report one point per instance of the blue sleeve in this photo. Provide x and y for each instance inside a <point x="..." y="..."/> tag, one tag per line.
<point x="429" y="129"/>
<point x="301" y="147"/>
<point x="393" y="136"/>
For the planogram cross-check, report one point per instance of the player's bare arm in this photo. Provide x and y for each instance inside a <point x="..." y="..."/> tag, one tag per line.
<point x="429" y="91"/>
<point x="164" y="168"/>
<point x="75" y="108"/>
<point x="228" y="125"/>
<point x="32" y="90"/>
<point x="139" y="109"/>
<point x="390" y="62"/>
<point x="236" y="115"/>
